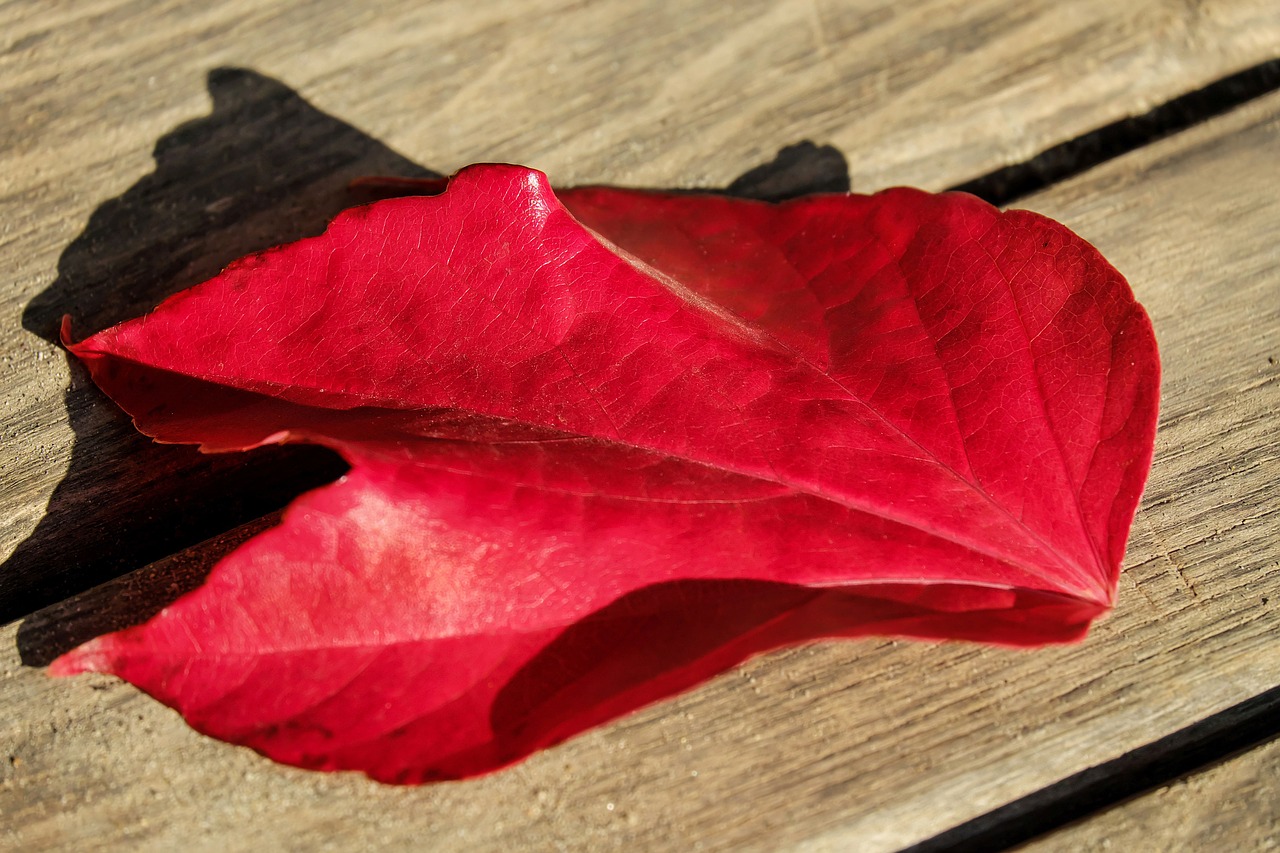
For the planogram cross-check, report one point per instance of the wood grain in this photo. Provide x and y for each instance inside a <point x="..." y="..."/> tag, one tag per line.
<point x="855" y="745"/>
<point x="1232" y="806"/>
<point x="97" y="224"/>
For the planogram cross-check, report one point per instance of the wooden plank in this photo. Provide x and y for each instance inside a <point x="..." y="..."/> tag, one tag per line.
<point x="1233" y="806"/>
<point x="855" y="745"/>
<point x="928" y="92"/>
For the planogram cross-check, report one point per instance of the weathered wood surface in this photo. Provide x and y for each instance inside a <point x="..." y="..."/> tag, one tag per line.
<point x="928" y="93"/>
<point x="1234" y="806"/>
<point x="854" y="745"/>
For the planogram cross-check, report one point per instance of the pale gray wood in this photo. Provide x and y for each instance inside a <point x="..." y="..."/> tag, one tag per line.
<point x="856" y="745"/>
<point x="928" y="92"/>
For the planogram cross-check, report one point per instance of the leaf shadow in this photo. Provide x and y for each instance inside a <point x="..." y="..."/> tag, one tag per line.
<point x="264" y="167"/>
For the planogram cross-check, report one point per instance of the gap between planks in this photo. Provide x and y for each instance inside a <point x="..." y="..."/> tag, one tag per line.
<point x="1229" y="807"/>
<point x="1252" y="723"/>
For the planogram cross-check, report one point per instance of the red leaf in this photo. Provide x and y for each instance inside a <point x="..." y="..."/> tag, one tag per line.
<point x="592" y="466"/>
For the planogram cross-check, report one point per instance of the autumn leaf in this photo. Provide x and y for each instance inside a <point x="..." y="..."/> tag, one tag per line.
<point x="606" y="444"/>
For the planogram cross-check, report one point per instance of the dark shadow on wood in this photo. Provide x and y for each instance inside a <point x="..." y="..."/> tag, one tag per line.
<point x="797" y="170"/>
<point x="1214" y="739"/>
<point x="127" y="600"/>
<point x="1078" y="155"/>
<point x="263" y="168"/>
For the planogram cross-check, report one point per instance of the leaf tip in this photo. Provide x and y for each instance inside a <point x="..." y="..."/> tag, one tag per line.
<point x="93" y="656"/>
<point x="64" y="332"/>
<point x="66" y="337"/>
<point x="529" y="179"/>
